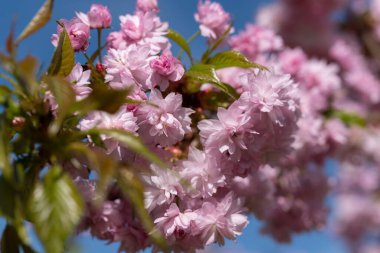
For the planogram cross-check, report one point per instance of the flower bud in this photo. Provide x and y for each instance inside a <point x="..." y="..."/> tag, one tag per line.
<point x="99" y="16"/>
<point x="147" y="5"/>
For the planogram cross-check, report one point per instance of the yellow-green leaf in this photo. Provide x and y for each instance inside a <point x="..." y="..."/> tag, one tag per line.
<point x="132" y="142"/>
<point x="232" y="59"/>
<point x="205" y="73"/>
<point x="102" y="98"/>
<point x="39" y="20"/>
<point x="209" y="51"/>
<point x="98" y="161"/>
<point x="55" y="208"/>
<point x="64" y="95"/>
<point x="63" y="59"/>
<point x="177" y="38"/>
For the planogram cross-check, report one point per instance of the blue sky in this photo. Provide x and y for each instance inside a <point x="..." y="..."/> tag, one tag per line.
<point x="179" y="14"/>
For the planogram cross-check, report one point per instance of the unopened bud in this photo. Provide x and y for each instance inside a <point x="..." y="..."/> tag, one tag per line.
<point x="18" y="122"/>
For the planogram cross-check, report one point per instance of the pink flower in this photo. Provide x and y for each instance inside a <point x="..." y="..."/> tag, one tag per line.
<point x="232" y="76"/>
<point x="79" y="34"/>
<point x="161" y="187"/>
<point x="256" y="40"/>
<point x="174" y="221"/>
<point x="299" y="193"/>
<point x="270" y="16"/>
<point x="127" y="67"/>
<point x="366" y="83"/>
<point x="109" y="222"/>
<point x="319" y="81"/>
<point x="336" y="131"/>
<point x="122" y="119"/>
<point x="116" y="40"/>
<point x="165" y="68"/>
<point x="99" y="16"/>
<point x="291" y="60"/>
<point x="145" y="28"/>
<point x="227" y="134"/>
<point x="202" y="173"/>
<point x="81" y="80"/>
<point x="147" y="6"/>
<point x="357" y="71"/>
<point x="270" y="93"/>
<point x="320" y="75"/>
<point x="167" y="123"/>
<point x="222" y="219"/>
<point x="213" y="20"/>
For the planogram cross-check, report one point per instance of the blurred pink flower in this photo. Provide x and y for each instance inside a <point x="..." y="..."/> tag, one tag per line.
<point x="79" y="34"/>
<point x="99" y="16"/>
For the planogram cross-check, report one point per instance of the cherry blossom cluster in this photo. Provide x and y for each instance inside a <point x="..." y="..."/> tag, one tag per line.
<point x="352" y="45"/>
<point x="262" y="154"/>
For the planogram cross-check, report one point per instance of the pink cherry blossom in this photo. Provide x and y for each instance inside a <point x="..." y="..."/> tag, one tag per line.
<point x="212" y="18"/>
<point x="270" y="93"/>
<point x="128" y="67"/>
<point x="81" y="80"/>
<point x="145" y="28"/>
<point x="99" y="16"/>
<point x="167" y="123"/>
<point x="116" y="40"/>
<point x="203" y="174"/>
<point x="165" y="68"/>
<point x="161" y="187"/>
<point x="256" y="40"/>
<point x="221" y="220"/>
<point x="122" y="119"/>
<point x="79" y="34"/>
<point x="291" y="60"/>
<point x="147" y="5"/>
<point x="227" y="133"/>
<point x="175" y="221"/>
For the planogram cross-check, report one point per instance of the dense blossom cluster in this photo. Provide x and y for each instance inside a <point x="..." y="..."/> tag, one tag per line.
<point x="263" y="154"/>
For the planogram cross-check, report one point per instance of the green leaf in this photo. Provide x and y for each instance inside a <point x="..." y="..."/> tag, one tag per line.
<point x="133" y="189"/>
<point x="132" y="142"/>
<point x="102" y="98"/>
<point x="5" y="166"/>
<point x="26" y="71"/>
<point x="5" y="94"/>
<point x="55" y="209"/>
<point x="232" y="59"/>
<point x="98" y="161"/>
<point x="213" y="100"/>
<point x="177" y="38"/>
<point x="206" y="74"/>
<point x="7" y="196"/>
<point x="64" y="95"/>
<point x="350" y="118"/>
<point x="39" y="20"/>
<point x="63" y="59"/>
<point x="209" y="51"/>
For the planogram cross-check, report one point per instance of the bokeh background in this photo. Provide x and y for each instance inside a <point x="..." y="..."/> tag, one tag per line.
<point x="179" y="14"/>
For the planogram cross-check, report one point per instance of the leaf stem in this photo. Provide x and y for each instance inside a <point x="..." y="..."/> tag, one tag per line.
<point x="88" y="59"/>
<point x="193" y="37"/>
<point x="100" y="44"/>
<point x="213" y="47"/>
